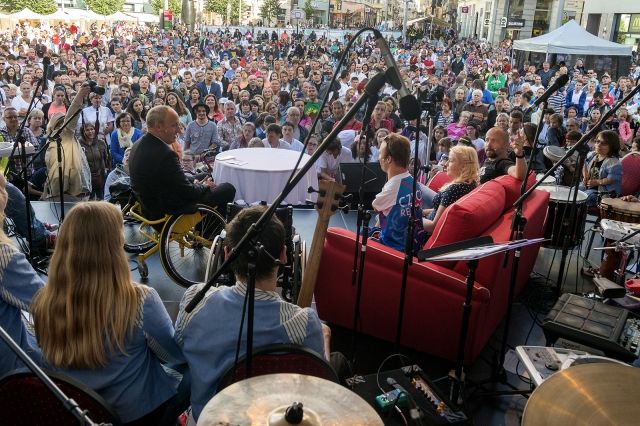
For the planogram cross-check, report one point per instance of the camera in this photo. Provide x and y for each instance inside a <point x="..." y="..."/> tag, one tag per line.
<point x="93" y="86"/>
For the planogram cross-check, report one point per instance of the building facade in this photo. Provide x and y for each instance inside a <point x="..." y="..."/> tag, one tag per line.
<point x="495" y="20"/>
<point x="617" y="21"/>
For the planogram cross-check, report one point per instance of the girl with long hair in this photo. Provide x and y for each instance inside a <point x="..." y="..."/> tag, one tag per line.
<point x="214" y="107"/>
<point x="463" y="168"/>
<point x="174" y="101"/>
<point x="97" y="326"/>
<point x="137" y="111"/>
<point x="603" y="171"/>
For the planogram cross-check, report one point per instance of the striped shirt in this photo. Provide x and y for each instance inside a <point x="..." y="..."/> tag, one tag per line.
<point x="208" y="335"/>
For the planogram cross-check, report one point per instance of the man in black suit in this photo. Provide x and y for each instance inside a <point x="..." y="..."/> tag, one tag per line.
<point x="157" y="178"/>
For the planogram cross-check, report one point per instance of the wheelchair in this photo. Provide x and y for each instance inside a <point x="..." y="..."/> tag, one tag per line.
<point x="183" y="241"/>
<point x="289" y="274"/>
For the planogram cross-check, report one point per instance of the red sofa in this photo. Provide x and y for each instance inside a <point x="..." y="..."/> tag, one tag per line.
<point x="435" y="291"/>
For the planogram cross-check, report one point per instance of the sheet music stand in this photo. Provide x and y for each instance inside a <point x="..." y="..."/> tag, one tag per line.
<point x="470" y="251"/>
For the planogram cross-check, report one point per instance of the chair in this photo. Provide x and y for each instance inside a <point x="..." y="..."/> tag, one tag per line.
<point x="281" y="358"/>
<point x="630" y="173"/>
<point x="183" y="240"/>
<point x="25" y="400"/>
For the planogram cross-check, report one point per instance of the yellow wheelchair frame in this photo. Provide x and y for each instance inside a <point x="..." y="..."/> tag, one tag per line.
<point x="184" y="241"/>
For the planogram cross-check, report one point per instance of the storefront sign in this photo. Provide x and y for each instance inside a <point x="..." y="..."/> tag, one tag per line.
<point x="515" y="23"/>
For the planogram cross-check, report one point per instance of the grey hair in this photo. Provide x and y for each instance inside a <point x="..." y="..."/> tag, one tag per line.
<point x="156" y="115"/>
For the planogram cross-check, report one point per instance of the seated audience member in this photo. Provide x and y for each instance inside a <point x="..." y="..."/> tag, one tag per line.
<point x="498" y="161"/>
<point x="18" y="284"/>
<point x="462" y="167"/>
<point x="201" y="134"/>
<point x="602" y="173"/>
<point x="219" y="313"/>
<point x="328" y="165"/>
<point x="41" y="233"/>
<point x="118" y="332"/>
<point x="361" y="148"/>
<point x="256" y="143"/>
<point x="157" y="178"/>
<point x="123" y="137"/>
<point x="120" y="172"/>
<point x="394" y="203"/>
<point x="274" y="138"/>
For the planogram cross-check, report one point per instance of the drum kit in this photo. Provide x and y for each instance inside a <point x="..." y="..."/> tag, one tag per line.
<point x="586" y="394"/>
<point x="287" y="399"/>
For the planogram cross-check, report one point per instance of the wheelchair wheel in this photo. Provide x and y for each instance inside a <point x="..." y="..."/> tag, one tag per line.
<point x="134" y="240"/>
<point x="299" y="260"/>
<point x="185" y="244"/>
<point x="216" y="256"/>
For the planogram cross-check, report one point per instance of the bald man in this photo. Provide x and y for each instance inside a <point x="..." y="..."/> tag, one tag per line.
<point x="157" y="178"/>
<point x="499" y="160"/>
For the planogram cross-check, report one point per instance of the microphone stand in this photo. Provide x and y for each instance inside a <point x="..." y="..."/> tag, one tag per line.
<point x="20" y="140"/>
<point x="364" y="216"/>
<point x="408" y="242"/>
<point x="55" y="136"/>
<point x="68" y="403"/>
<point x="374" y="86"/>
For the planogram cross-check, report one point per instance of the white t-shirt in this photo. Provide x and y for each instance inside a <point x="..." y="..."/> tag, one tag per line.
<point x="387" y="198"/>
<point x="18" y="103"/>
<point x="90" y="113"/>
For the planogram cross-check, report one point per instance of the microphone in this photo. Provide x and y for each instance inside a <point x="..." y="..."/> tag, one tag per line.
<point x="409" y="106"/>
<point x="46" y="63"/>
<point x="560" y="82"/>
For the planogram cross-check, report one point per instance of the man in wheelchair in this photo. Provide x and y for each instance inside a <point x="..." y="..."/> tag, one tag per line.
<point x="157" y="178"/>
<point x="208" y="334"/>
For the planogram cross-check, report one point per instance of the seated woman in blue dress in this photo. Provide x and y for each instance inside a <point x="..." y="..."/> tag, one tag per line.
<point x="18" y="284"/>
<point x="123" y="137"/>
<point x="97" y="326"/>
<point x="463" y="169"/>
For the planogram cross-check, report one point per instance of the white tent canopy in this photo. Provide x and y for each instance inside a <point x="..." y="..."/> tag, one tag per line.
<point x="571" y="38"/>
<point x="26" y="14"/>
<point x="119" y="16"/>
<point x="58" y="15"/>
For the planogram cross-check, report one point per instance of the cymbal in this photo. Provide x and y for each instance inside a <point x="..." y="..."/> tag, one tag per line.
<point x="588" y="394"/>
<point x="262" y="400"/>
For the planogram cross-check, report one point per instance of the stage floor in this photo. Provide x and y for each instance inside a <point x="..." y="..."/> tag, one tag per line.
<point x="371" y="352"/>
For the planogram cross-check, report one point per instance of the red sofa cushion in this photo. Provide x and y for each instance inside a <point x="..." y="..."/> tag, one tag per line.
<point x="470" y="216"/>
<point x="438" y="180"/>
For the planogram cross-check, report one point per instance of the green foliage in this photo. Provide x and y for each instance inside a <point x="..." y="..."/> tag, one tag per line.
<point x="222" y="7"/>
<point x="270" y="10"/>
<point x="44" y="7"/>
<point x="175" y="6"/>
<point x="105" y="8"/>
<point x="308" y="10"/>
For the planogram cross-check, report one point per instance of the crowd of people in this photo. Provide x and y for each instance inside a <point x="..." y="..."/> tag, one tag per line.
<point x="140" y="103"/>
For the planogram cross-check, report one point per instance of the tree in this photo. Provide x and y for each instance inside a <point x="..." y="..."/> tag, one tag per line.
<point x="308" y="11"/>
<point x="224" y="7"/>
<point x="105" y="8"/>
<point x="270" y="9"/>
<point x="175" y="6"/>
<point x="44" y="7"/>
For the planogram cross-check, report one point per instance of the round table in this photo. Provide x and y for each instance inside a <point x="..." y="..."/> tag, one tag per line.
<point x="260" y="174"/>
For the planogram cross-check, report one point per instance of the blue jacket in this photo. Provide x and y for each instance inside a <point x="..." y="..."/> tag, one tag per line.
<point x="214" y="88"/>
<point x="117" y="153"/>
<point x="579" y="105"/>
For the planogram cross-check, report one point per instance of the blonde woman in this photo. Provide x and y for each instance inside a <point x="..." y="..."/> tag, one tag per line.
<point x="97" y="326"/>
<point x="18" y="284"/>
<point x="76" y="174"/>
<point x="463" y="169"/>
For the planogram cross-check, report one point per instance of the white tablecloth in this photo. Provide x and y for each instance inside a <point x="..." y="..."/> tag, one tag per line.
<point x="263" y="174"/>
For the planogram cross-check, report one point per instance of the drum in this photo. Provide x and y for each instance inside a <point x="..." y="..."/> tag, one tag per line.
<point x="549" y="180"/>
<point x="622" y="211"/>
<point x="554" y="153"/>
<point x="559" y="220"/>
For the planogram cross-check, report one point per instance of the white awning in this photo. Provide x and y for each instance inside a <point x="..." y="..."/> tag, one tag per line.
<point x="572" y="39"/>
